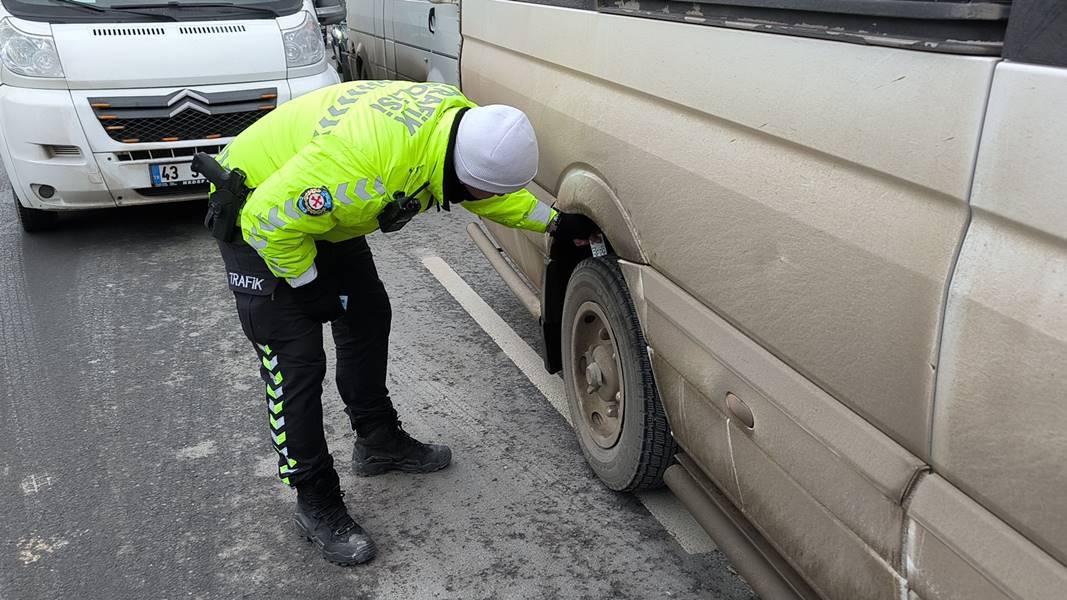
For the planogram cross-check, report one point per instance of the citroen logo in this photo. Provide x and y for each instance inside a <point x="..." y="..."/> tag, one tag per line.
<point x="183" y="100"/>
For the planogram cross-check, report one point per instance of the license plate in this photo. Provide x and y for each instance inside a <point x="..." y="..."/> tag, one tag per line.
<point x="167" y="174"/>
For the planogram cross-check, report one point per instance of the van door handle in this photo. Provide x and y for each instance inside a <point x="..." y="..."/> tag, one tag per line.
<point x="740" y="410"/>
<point x="432" y="18"/>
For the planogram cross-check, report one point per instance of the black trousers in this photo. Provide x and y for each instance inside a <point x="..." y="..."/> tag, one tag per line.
<point x="291" y="355"/>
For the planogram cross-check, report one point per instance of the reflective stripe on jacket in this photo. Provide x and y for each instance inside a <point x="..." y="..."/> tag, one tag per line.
<point x="324" y="165"/>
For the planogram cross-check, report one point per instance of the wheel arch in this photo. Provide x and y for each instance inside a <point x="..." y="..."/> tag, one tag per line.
<point x="583" y="190"/>
<point x="358" y="56"/>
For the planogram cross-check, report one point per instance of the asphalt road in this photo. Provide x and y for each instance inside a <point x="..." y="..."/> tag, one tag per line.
<point x="137" y="462"/>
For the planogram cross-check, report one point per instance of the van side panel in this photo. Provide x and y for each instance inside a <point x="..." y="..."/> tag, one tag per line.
<point x="956" y="550"/>
<point x="367" y="28"/>
<point x="836" y="258"/>
<point x="1000" y="422"/>
<point x="821" y="483"/>
<point x="815" y="475"/>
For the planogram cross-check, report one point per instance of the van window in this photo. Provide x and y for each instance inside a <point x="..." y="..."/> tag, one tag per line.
<point x="963" y="26"/>
<point x="109" y="11"/>
<point x="1037" y="33"/>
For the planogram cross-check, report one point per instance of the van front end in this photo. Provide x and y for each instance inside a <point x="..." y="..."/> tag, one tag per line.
<point x="103" y="107"/>
<point x="75" y="149"/>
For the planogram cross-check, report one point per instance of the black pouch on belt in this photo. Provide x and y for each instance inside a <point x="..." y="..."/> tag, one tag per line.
<point x="224" y="204"/>
<point x="245" y="270"/>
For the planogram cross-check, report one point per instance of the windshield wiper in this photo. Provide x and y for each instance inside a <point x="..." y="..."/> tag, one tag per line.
<point x="183" y="5"/>
<point x="100" y="10"/>
<point x="96" y="9"/>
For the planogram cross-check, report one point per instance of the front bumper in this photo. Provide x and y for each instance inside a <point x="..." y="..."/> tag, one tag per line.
<point x="53" y="138"/>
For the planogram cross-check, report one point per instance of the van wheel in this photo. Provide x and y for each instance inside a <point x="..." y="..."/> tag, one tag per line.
<point x="614" y="407"/>
<point x="344" y="62"/>
<point x="34" y="220"/>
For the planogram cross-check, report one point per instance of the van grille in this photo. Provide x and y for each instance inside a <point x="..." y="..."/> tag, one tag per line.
<point x="128" y="31"/>
<point x="158" y="153"/>
<point x="182" y="115"/>
<point x="186" y="30"/>
<point x="187" y="125"/>
<point x="59" y="151"/>
<point x="211" y="29"/>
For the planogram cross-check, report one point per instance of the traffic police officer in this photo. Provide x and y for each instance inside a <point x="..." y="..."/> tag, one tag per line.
<point x="325" y="170"/>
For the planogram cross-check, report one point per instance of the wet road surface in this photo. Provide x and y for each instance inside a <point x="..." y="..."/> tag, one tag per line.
<point x="137" y="461"/>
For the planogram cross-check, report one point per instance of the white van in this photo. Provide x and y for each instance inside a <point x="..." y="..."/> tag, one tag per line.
<point x="402" y="39"/>
<point x="104" y="102"/>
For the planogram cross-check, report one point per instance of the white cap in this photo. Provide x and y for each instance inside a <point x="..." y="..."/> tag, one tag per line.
<point x="496" y="149"/>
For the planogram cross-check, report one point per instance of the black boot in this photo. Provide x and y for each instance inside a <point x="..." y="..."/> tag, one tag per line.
<point x="389" y="448"/>
<point x="323" y="518"/>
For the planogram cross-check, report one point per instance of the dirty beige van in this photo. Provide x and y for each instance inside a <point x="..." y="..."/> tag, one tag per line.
<point x="833" y="311"/>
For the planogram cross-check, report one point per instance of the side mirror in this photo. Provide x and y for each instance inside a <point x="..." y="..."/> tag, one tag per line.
<point x="330" y="12"/>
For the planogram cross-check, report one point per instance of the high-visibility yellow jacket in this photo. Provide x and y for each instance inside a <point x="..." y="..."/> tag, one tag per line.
<point x="324" y="165"/>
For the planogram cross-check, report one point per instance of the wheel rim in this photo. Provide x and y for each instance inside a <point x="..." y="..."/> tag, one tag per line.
<point x="597" y="377"/>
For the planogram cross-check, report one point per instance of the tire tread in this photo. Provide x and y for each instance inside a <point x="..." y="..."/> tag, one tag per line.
<point x="34" y="220"/>
<point x="658" y="446"/>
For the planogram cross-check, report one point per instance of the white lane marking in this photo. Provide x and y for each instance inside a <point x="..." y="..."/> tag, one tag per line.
<point x="678" y="521"/>
<point x="660" y="503"/>
<point x="520" y="353"/>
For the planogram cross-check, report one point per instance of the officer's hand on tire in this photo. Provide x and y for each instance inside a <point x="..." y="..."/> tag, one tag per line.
<point x="319" y="301"/>
<point x="573" y="226"/>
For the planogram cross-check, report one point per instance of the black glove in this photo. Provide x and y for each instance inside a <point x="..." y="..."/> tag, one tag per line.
<point x="573" y="226"/>
<point x="319" y="300"/>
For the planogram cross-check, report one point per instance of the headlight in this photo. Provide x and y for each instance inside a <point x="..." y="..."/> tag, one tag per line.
<point x="303" y="43"/>
<point x="28" y="54"/>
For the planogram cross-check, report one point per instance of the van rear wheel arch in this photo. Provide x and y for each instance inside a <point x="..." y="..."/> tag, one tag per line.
<point x="583" y="189"/>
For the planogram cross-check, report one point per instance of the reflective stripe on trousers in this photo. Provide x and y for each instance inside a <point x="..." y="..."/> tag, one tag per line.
<point x="275" y="382"/>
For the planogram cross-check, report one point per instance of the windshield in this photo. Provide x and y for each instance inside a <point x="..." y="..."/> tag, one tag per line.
<point x="96" y="11"/>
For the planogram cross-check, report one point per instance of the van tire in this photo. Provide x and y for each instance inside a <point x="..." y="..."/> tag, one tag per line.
<point x="34" y="220"/>
<point x="344" y="63"/>
<point x="631" y="450"/>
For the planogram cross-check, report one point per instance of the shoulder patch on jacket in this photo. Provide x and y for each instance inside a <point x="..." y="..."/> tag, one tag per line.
<point x="315" y="201"/>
